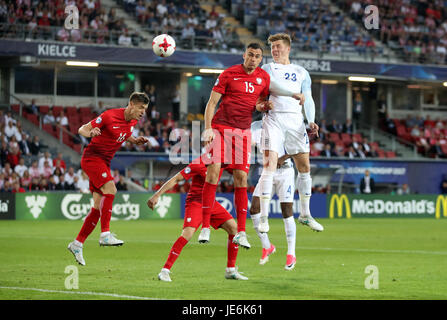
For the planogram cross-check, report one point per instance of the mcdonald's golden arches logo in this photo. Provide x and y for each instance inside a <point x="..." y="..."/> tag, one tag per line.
<point x="340" y="199"/>
<point x="441" y="201"/>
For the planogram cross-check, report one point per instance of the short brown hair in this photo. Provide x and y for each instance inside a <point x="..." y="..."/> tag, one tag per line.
<point x="280" y="36"/>
<point x="139" y="97"/>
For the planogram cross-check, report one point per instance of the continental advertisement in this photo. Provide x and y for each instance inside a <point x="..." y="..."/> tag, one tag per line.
<point x="359" y="206"/>
<point x="75" y="206"/>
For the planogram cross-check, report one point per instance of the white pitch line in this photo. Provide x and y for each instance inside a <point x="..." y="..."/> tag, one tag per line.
<point x="192" y="242"/>
<point x="82" y="293"/>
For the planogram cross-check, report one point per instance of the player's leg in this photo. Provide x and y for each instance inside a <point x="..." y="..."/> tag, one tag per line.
<point x="208" y="199"/>
<point x="107" y="238"/>
<point x="305" y="191"/>
<point x="222" y="219"/>
<point x="241" y="205"/>
<point x="174" y="253"/>
<point x="270" y="160"/>
<point x="290" y="228"/>
<point x="267" y="247"/>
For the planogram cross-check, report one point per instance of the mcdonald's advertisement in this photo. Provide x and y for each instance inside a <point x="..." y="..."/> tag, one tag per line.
<point x="377" y="205"/>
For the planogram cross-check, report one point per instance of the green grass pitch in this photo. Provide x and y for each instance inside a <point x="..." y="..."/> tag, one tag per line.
<point x="410" y="254"/>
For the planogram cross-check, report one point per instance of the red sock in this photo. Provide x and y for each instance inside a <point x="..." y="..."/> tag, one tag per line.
<point x="232" y="252"/>
<point x="241" y="204"/>
<point x="175" y="252"/>
<point x="208" y="197"/>
<point x="106" y="211"/>
<point x="89" y="225"/>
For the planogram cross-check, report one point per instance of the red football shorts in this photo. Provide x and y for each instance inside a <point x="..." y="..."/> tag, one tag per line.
<point x="193" y="215"/>
<point x="98" y="173"/>
<point x="231" y="148"/>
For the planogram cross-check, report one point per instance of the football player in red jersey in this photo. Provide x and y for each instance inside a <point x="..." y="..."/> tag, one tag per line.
<point x="220" y="218"/>
<point x="243" y="89"/>
<point x="108" y="132"/>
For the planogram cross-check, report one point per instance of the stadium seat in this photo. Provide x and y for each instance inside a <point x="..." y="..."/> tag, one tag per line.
<point x="390" y="154"/>
<point x="77" y="147"/>
<point x="33" y="118"/>
<point x="57" y="110"/>
<point x="381" y="153"/>
<point x="190" y="117"/>
<point x="335" y="137"/>
<point x="44" y="109"/>
<point x="346" y="138"/>
<point x="444" y="148"/>
<point x="71" y="111"/>
<point x="15" y="107"/>
<point x="358" y="136"/>
<point x="48" y="128"/>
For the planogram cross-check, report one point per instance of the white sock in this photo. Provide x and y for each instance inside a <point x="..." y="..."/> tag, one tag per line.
<point x="76" y="242"/>
<point x="103" y="234"/>
<point x="165" y="270"/>
<point x="305" y="192"/>
<point x="256" y="218"/>
<point x="232" y="269"/>
<point x="265" y="186"/>
<point x="290" y="227"/>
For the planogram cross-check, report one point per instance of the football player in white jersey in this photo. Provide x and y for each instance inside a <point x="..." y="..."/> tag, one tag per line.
<point x="284" y="187"/>
<point x="284" y="128"/>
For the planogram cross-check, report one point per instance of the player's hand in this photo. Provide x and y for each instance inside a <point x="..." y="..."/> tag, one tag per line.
<point x="95" y="132"/>
<point x="268" y="105"/>
<point x="299" y="96"/>
<point x="281" y="160"/>
<point x="141" y="140"/>
<point x="208" y="136"/>
<point x="314" y="128"/>
<point x="152" y="202"/>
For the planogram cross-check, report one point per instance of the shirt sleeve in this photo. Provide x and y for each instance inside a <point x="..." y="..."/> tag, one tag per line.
<point x="221" y="83"/>
<point x="99" y="121"/>
<point x="307" y="82"/>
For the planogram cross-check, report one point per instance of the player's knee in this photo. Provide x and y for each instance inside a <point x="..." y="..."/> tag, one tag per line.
<point x="187" y="233"/>
<point x="254" y="210"/>
<point x="287" y="210"/>
<point x="240" y="178"/>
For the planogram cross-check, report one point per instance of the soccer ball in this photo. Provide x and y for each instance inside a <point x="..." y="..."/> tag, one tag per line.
<point x="163" y="45"/>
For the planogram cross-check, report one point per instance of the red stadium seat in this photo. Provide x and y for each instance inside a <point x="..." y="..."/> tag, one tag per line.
<point x="71" y="111"/>
<point x="48" y="128"/>
<point x="444" y="148"/>
<point x="358" y="136"/>
<point x="33" y="118"/>
<point x="381" y="153"/>
<point x="346" y="138"/>
<point x="390" y="154"/>
<point x="44" y="109"/>
<point x="57" y="110"/>
<point x="335" y="137"/>
<point x="15" y="107"/>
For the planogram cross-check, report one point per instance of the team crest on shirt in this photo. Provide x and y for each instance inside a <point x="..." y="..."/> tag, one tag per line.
<point x="217" y="82"/>
<point x="131" y="129"/>
<point x="259" y="80"/>
<point x="187" y="170"/>
<point x="99" y="120"/>
<point x="104" y="174"/>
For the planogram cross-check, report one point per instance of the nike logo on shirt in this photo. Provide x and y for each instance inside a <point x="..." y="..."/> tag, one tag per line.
<point x="115" y="127"/>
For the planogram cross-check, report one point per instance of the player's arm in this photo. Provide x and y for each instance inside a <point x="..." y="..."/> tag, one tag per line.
<point x="88" y="131"/>
<point x="152" y="202"/>
<point x="309" y="104"/>
<point x="208" y="134"/>
<point x="263" y="105"/>
<point x="283" y="159"/>
<point x="138" y="141"/>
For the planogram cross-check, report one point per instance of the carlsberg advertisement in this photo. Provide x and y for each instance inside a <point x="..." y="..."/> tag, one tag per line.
<point x="76" y="206"/>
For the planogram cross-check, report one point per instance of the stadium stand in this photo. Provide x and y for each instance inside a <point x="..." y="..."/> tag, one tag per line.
<point x="415" y="30"/>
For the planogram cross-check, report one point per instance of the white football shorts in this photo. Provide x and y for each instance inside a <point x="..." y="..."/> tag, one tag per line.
<point x="283" y="185"/>
<point x="284" y="131"/>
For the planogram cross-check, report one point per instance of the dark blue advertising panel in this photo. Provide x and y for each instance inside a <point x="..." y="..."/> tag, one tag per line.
<point x="7" y="206"/>
<point x="142" y="56"/>
<point x="317" y="205"/>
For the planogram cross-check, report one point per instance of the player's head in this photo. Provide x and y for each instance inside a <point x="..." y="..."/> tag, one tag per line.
<point x="252" y="56"/>
<point x="138" y="103"/>
<point x="280" y="44"/>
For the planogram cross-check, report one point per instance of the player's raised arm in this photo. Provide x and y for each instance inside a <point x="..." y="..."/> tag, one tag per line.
<point x="88" y="131"/>
<point x="209" y="113"/>
<point x="152" y="202"/>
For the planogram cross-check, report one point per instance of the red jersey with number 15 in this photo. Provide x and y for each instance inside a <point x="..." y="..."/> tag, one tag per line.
<point x="114" y="131"/>
<point x="240" y="91"/>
